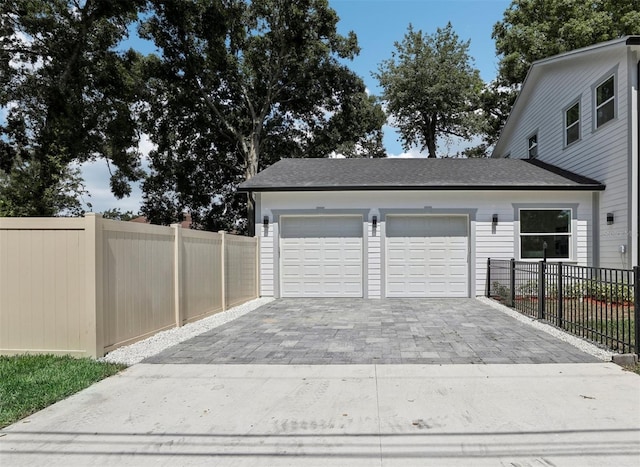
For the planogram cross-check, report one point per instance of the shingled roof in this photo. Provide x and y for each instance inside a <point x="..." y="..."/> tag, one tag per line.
<point x="415" y="174"/>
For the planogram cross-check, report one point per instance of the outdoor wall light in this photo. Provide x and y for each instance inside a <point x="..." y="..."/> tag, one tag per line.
<point x="609" y="218"/>
<point x="494" y="219"/>
<point x="374" y="221"/>
<point x="265" y="222"/>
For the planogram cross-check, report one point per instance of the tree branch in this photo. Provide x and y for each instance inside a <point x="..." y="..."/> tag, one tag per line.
<point x="212" y="106"/>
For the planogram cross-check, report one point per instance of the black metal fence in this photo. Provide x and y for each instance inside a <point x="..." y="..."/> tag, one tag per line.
<point x="598" y="304"/>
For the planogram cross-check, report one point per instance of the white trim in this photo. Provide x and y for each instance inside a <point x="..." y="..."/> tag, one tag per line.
<point x="571" y="234"/>
<point x="613" y="100"/>
<point x="577" y="123"/>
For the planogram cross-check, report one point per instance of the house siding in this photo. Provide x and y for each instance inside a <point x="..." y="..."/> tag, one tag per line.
<point x="374" y="265"/>
<point x="601" y="154"/>
<point x="485" y="239"/>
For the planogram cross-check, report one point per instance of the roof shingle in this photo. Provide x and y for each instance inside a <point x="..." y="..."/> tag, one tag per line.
<point x="415" y="174"/>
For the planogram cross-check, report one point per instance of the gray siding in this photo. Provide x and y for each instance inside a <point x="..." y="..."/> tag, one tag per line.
<point x="602" y="154"/>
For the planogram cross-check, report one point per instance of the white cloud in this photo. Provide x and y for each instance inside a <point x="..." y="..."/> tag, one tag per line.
<point x="96" y="177"/>
<point x="413" y="153"/>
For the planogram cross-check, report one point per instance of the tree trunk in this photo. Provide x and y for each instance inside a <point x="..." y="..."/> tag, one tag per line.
<point x="252" y="156"/>
<point x="431" y="138"/>
<point x="431" y="146"/>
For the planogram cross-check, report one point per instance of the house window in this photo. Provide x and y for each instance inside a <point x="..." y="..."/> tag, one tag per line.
<point x="605" y="102"/>
<point x="572" y="124"/>
<point x="532" y="146"/>
<point x="540" y="227"/>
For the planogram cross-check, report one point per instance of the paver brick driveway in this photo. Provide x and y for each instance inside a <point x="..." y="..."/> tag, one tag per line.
<point x="360" y="331"/>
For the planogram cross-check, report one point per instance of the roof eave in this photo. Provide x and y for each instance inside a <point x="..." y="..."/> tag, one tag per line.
<point x="589" y="187"/>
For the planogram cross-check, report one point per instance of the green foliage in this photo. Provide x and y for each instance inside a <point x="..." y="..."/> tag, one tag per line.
<point x="29" y="383"/>
<point x="18" y="191"/>
<point x="431" y="89"/>
<point x="239" y="85"/>
<point x="535" y="29"/>
<point x="67" y="97"/>
<point x="117" y="215"/>
<point x="495" y="103"/>
<point x="574" y="290"/>
<point x="501" y="291"/>
<point x="613" y="293"/>
<point x="528" y="288"/>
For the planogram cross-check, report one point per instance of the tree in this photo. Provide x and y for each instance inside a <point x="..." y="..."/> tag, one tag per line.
<point x="430" y="88"/>
<point x="117" y="215"/>
<point x="17" y="191"/>
<point x="67" y="97"/>
<point x="238" y="86"/>
<point x="535" y="29"/>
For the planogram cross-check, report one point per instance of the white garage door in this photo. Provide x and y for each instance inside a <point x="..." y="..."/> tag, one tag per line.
<point x="426" y="256"/>
<point x="321" y="256"/>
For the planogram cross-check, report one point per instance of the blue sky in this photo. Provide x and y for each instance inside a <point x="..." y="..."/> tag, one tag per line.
<point x="378" y="24"/>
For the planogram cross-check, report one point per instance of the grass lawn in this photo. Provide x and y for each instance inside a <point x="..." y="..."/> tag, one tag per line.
<point x="635" y="369"/>
<point x="29" y="383"/>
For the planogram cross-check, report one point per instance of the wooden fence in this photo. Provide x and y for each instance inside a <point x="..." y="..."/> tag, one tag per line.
<point x="85" y="286"/>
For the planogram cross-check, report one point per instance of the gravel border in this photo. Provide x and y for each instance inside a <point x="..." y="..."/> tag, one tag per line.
<point x="135" y="353"/>
<point x="581" y="344"/>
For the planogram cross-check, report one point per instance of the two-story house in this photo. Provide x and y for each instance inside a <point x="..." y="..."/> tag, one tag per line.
<point x="580" y="111"/>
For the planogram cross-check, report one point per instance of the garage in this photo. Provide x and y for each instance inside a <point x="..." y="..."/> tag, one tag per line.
<point x="321" y="256"/>
<point x="427" y="256"/>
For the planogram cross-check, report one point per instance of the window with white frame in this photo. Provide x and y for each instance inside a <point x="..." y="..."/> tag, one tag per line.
<point x="605" y="99"/>
<point x="572" y="124"/>
<point x="532" y="146"/>
<point x="548" y="229"/>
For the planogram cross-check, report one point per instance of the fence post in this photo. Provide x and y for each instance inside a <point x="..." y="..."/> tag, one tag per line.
<point x="177" y="274"/>
<point x="488" y="284"/>
<point x="560" y="297"/>
<point x="95" y="284"/>
<point x="257" y="267"/>
<point x="512" y="282"/>
<point x="636" y="307"/>
<point x="541" y="292"/>
<point x="223" y="268"/>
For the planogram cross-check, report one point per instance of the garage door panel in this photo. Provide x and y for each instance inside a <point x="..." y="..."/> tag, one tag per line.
<point x="416" y="270"/>
<point x="457" y="270"/>
<point x="437" y="270"/>
<point x="426" y="256"/>
<point x="332" y="271"/>
<point x="321" y="256"/>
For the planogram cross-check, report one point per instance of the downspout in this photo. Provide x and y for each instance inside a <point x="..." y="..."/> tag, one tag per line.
<point x="637" y="240"/>
<point x="251" y="214"/>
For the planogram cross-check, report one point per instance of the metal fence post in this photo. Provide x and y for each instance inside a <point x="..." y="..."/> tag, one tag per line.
<point x="560" y="297"/>
<point x="488" y="284"/>
<point x="636" y="306"/>
<point x="512" y="282"/>
<point x="541" y="292"/>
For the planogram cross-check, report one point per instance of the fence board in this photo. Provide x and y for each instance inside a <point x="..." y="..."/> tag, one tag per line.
<point x="86" y="286"/>
<point x="42" y="303"/>
<point x="240" y="263"/>
<point x="202" y="282"/>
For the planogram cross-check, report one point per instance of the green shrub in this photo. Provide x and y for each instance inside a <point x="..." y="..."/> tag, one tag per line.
<point x="501" y="291"/>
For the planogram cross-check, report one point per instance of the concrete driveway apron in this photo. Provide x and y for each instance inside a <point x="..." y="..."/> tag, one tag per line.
<point x="360" y="331"/>
<point x="277" y="413"/>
